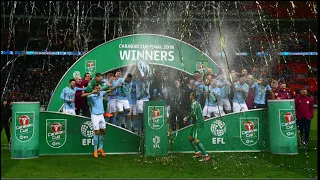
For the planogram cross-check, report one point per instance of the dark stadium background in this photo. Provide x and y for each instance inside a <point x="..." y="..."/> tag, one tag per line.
<point x="33" y="78"/>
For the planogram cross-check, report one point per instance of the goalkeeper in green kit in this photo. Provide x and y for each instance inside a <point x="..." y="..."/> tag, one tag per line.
<point x="198" y="123"/>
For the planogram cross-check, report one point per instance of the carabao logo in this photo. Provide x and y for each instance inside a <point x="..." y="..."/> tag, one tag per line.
<point x="155" y="113"/>
<point x="287" y="122"/>
<point x="56" y="132"/>
<point x="201" y="66"/>
<point x="24" y="120"/>
<point x="288" y="117"/>
<point x="249" y="126"/>
<point x="156" y="117"/>
<point x="249" y="131"/>
<point x="90" y="66"/>
<point x="24" y="125"/>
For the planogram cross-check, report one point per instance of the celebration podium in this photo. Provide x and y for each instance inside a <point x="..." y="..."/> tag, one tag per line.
<point x="155" y="128"/>
<point x="25" y="130"/>
<point x="42" y="133"/>
<point x="282" y="127"/>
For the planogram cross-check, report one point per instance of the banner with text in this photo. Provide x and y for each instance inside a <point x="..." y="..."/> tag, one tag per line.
<point x="244" y="131"/>
<point x="128" y="50"/>
<point x="67" y="134"/>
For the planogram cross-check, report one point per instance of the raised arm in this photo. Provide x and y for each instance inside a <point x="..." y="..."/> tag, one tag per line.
<point x="89" y="87"/>
<point x="80" y="89"/>
<point x="87" y="94"/>
<point x="114" y="88"/>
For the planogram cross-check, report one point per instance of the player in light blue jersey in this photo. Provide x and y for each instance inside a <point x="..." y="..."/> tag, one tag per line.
<point x="142" y="90"/>
<point x="241" y="90"/>
<point x="97" y="118"/>
<point x="112" y="105"/>
<point x="143" y="94"/>
<point x="68" y="95"/>
<point x="212" y="106"/>
<point x="122" y="98"/>
<point x="260" y="89"/>
<point x="109" y="83"/>
<point x="224" y="85"/>
<point x="131" y="116"/>
<point x="200" y="87"/>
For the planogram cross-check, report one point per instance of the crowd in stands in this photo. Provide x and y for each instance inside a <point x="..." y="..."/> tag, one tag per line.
<point x="23" y="85"/>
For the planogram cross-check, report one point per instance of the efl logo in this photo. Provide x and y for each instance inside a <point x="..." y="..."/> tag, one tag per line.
<point x="155" y="113"/>
<point x="288" y="117"/>
<point x="24" y="120"/>
<point x="218" y="128"/>
<point x="56" y="127"/>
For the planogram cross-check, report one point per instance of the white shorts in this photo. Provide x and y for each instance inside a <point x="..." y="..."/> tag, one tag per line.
<point x="133" y="110"/>
<point x="239" y="107"/>
<point x="69" y="111"/>
<point x="122" y="105"/>
<point x="140" y="106"/>
<point x="225" y="103"/>
<point x="112" y="106"/>
<point x="98" y="122"/>
<point x="208" y="110"/>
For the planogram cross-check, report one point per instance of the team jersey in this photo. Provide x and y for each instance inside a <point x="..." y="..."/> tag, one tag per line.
<point x="143" y="89"/>
<point x="200" y="88"/>
<point x="106" y="84"/>
<point x="240" y="97"/>
<point x="114" y="83"/>
<point x="260" y="92"/>
<point x="69" y="94"/>
<point x="96" y="101"/>
<point x="122" y="93"/>
<point x="211" y="100"/>
<point x="104" y="81"/>
<point x="225" y="90"/>
<point x="196" y="114"/>
<point x="133" y="94"/>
